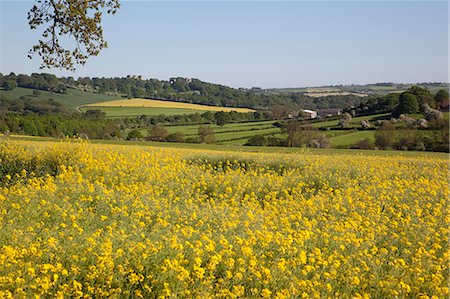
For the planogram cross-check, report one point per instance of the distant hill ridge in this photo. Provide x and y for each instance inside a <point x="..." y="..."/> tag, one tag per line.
<point x="195" y="91"/>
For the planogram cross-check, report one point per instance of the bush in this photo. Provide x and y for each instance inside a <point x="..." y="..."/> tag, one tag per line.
<point x="134" y="135"/>
<point x="320" y="141"/>
<point x="367" y="144"/>
<point x="258" y="140"/>
<point x="175" y="137"/>
<point x="384" y="139"/>
<point x="157" y="133"/>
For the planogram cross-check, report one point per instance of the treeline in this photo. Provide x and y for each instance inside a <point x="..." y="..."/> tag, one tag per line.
<point x="199" y="92"/>
<point x="43" y="81"/>
<point x="45" y="117"/>
<point x="434" y="137"/>
<point x="59" y="126"/>
<point x="178" y="89"/>
<point x="414" y="100"/>
<point x="220" y="118"/>
<point x="30" y="105"/>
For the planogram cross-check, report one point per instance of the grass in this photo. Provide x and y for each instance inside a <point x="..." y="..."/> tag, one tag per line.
<point x="248" y="126"/>
<point x="229" y="132"/>
<point x="350" y="139"/>
<point x="355" y="122"/>
<point x="138" y="102"/>
<point x="71" y="100"/>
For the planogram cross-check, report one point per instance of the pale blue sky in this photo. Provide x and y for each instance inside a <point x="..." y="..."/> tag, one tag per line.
<point x="256" y="43"/>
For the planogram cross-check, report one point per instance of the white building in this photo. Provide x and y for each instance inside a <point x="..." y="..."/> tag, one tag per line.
<point x="308" y="114"/>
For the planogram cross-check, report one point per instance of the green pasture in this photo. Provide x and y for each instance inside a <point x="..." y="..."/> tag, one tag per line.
<point x="71" y="100"/>
<point x="350" y="139"/>
<point x="247" y="126"/>
<point x="355" y="122"/>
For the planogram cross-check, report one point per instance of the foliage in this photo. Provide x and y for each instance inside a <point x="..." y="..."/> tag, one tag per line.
<point x="407" y="104"/>
<point x="442" y="97"/>
<point x="94" y="114"/>
<point x="134" y="135"/>
<point x="345" y="119"/>
<point x="26" y="105"/>
<point x="9" y="85"/>
<point x="365" y="144"/>
<point x="102" y="221"/>
<point x="175" y="137"/>
<point x="222" y="118"/>
<point x="80" y="20"/>
<point x="157" y="132"/>
<point x="257" y="140"/>
<point x="58" y="126"/>
<point x="206" y="134"/>
<point x="384" y="136"/>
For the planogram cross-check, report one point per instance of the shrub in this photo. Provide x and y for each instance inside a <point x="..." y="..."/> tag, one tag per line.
<point x="175" y="137"/>
<point x="134" y="135"/>
<point x="157" y="132"/>
<point x="367" y="144"/>
<point x="258" y="140"/>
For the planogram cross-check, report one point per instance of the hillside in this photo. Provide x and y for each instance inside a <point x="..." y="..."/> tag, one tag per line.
<point x="71" y="100"/>
<point x="138" y="107"/>
<point x="359" y="90"/>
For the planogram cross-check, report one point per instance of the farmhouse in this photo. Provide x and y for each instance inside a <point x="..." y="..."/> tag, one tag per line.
<point x="309" y="114"/>
<point x="329" y="112"/>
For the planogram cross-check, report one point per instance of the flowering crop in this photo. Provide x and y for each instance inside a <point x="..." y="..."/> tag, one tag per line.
<point x="83" y="221"/>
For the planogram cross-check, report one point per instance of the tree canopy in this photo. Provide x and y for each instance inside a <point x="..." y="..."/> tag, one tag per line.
<point x="78" y="20"/>
<point x="408" y="103"/>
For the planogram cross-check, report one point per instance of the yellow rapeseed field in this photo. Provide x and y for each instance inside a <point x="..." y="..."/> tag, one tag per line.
<point x="137" y="102"/>
<point x="101" y="221"/>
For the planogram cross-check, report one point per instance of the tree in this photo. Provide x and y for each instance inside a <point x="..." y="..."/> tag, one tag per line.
<point x="36" y="92"/>
<point x="222" y="118"/>
<point x="407" y="104"/>
<point x="175" y="137"/>
<point x="9" y="85"/>
<point x="157" y="132"/>
<point x="206" y="134"/>
<point x="94" y="114"/>
<point x="441" y="97"/>
<point x="257" y="140"/>
<point x="345" y="120"/>
<point x="298" y="134"/>
<point x="29" y="128"/>
<point x="134" y="135"/>
<point x="384" y="137"/>
<point x="423" y="96"/>
<point x="80" y="20"/>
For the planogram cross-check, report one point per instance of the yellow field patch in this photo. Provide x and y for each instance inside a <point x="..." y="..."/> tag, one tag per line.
<point x="88" y="220"/>
<point x="331" y="93"/>
<point x="138" y="102"/>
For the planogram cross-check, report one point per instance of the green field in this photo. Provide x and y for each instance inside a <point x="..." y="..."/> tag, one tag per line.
<point x="347" y="140"/>
<point x="239" y="133"/>
<point x="232" y="133"/>
<point x="71" y="100"/>
<point x="354" y="123"/>
<point x="248" y="126"/>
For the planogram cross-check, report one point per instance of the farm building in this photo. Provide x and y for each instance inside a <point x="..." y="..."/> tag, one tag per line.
<point x="308" y="114"/>
<point x="329" y="112"/>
